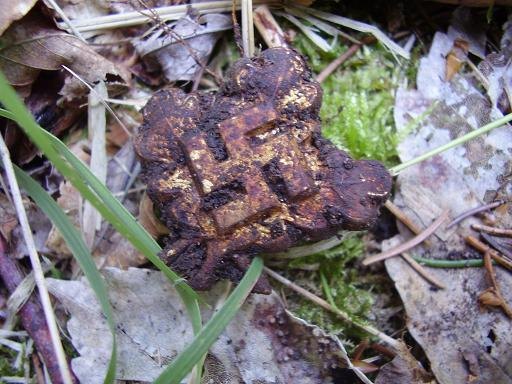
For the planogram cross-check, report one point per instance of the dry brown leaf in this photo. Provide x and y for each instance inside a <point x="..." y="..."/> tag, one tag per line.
<point x="148" y="219"/>
<point x="489" y="297"/>
<point x="31" y="45"/>
<point x="13" y="10"/>
<point x="457" y="56"/>
<point x="8" y="218"/>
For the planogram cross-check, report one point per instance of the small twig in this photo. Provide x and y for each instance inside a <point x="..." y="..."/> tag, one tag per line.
<point x="400" y="215"/>
<point x="236" y="29"/>
<point x="36" y="266"/>
<point x="491" y="240"/>
<point x="504" y="232"/>
<point x="477" y="244"/>
<point x="422" y="271"/>
<point x="333" y="65"/>
<point x="408" y="244"/>
<point x="268" y="27"/>
<point x="492" y="295"/>
<point x="324" y="304"/>
<point x="68" y="22"/>
<point x="474" y="211"/>
<point x="32" y="316"/>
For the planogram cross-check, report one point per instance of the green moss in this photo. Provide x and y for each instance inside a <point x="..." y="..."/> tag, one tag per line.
<point x="334" y="278"/>
<point x="7" y="357"/>
<point x="357" y="109"/>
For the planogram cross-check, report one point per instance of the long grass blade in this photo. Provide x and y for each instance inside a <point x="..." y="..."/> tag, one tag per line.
<point x="184" y="362"/>
<point x="80" y="252"/>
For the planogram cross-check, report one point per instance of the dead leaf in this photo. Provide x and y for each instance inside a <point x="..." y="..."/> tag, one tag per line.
<point x="31" y="45"/>
<point x="403" y="369"/>
<point x="457" y="56"/>
<point x="184" y="48"/>
<point x="263" y="344"/>
<point x="70" y="202"/>
<point x="489" y="297"/>
<point x="148" y="219"/>
<point x="13" y="10"/>
<point x="8" y="217"/>
<point x="447" y="322"/>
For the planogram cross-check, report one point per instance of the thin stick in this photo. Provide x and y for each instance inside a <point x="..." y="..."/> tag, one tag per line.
<point x="408" y="244"/>
<point x="422" y="271"/>
<point x="68" y="22"/>
<point x="326" y="72"/>
<point x="247" y="29"/>
<point x="36" y="265"/>
<point x="504" y="232"/>
<point x="400" y="215"/>
<point x="491" y="240"/>
<point x="268" y="27"/>
<point x="461" y="140"/>
<point x="474" y="211"/>
<point x="494" y="291"/>
<point x="477" y="244"/>
<point x="324" y="304"/>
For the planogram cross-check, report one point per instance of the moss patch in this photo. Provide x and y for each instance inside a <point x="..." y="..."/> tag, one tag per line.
<point x="357" y="109"/>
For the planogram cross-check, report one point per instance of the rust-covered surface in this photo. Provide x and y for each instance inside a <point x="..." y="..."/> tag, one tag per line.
<point x="245" y="170"/>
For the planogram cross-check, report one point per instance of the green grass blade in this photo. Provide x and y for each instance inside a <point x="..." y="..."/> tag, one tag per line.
<point x="80" y="252"/>
<point x="184" y="362"/>
<point x="95" y="192"/>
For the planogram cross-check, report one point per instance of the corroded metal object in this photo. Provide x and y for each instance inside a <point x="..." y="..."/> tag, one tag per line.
<point x="245" y="170"/>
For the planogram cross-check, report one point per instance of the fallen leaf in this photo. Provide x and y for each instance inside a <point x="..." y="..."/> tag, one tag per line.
<point x="263" y="344"/>
<point x="447" y="322"/>
<point x="403" y="369"/>
<point x="8" y="218"/>
<point x="32" y="45"/>
<point x="456" y="57"/>
<point x="148" y="219"/>
<point x="181" y="50"/>
<point x="13" y="10"/>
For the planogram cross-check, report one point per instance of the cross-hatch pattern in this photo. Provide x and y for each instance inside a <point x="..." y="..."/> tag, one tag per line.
<point x="245" y="164"/>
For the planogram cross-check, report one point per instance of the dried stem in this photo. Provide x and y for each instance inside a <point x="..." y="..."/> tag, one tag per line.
<point x="474" y="211"/>
<point x="504" y="232"/>
<point x="32" y="316"/>
<point x="268" y="27"/>
<point x="408" y="244"/>
<point x="324" y="304"/>
<point x="36" y="266"/>
<point x="492" y="295"/>
<point x="418" y="268"/>
<point x="477" y="244"/>
<point x="247" y="29"/>
<point x="400" y="215"/>
<point x="333" y="65"/>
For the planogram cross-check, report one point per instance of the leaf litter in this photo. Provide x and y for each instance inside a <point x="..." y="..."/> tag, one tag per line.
<point x="485" y="354"/>
<point x="462" y="340"/>
<point x="264" y="343"/>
